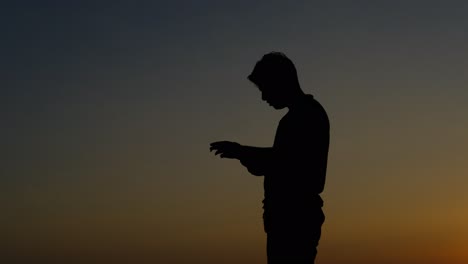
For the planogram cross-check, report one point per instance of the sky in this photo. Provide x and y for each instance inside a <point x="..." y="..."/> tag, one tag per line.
<point x="108" y="109"/>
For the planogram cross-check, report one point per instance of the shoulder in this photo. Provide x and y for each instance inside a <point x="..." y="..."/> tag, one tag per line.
<point x="314" y="110"/>
<point x="319" y="111"/>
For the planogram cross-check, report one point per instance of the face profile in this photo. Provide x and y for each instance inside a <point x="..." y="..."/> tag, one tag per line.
<point x="272" y="97"/>
<point x="276" y="77"/>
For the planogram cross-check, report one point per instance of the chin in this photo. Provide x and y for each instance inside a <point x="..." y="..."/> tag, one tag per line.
<point x="278" y="107"/>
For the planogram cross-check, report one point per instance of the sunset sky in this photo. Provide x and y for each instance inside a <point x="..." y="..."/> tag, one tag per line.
<point x="107" y="111"/>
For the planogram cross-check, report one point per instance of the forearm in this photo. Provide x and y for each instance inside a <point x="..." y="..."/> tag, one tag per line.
<point x="257" y="159"/>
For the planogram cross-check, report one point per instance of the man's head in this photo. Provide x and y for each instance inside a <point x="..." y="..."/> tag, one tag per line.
<point x="276" y="77"/>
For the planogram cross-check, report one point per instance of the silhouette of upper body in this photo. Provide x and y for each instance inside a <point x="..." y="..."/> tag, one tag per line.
<point x="294" y="168"/>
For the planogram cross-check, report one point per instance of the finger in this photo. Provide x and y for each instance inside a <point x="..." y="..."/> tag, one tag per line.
<point x="227" y="155"/>
<point x="220" y="143"/>
<point x="218" y="151"/>
<point x="217" y="146"/>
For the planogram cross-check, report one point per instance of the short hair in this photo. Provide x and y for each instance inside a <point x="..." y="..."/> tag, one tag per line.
<point x="274" y="67"/>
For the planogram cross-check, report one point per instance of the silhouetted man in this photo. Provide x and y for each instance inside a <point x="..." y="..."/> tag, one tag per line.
<point x="294" y="168"/>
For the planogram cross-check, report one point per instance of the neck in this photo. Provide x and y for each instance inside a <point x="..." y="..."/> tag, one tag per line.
<point x="296" y="99"/>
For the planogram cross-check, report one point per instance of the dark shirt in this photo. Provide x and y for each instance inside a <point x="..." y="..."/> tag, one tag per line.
<point x="297" y="177"/>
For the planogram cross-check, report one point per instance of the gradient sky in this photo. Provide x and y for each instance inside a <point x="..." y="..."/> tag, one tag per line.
<point x="107" y="112"/>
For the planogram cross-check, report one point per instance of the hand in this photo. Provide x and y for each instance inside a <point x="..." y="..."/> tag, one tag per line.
<point x="227" y="149"/>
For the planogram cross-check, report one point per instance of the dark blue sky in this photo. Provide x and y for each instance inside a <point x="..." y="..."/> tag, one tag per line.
<point x="107" y="110"/>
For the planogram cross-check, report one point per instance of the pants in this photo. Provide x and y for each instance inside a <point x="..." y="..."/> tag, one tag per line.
<point x="295" y="243"/>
